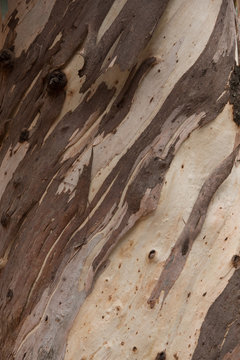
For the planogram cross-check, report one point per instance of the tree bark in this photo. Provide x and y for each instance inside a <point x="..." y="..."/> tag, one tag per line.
<point x="119" y="180"/>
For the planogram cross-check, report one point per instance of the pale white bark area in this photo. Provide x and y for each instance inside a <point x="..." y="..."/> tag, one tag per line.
<point x="119" y="297"/>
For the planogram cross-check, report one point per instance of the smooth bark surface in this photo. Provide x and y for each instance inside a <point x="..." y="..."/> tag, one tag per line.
<point x="119" y="180"/>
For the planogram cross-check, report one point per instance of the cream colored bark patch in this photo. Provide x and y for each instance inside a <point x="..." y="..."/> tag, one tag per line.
<point x="115" y="321"/>
<point x="177" y="45"/>
<point x="111" y="16"/>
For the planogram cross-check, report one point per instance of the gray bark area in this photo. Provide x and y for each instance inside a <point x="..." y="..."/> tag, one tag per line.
<point x="49" y="230"/>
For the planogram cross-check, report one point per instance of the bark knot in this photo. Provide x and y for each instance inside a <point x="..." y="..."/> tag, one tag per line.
<point x="57" y="80"/>
<point x="6" y="58"/>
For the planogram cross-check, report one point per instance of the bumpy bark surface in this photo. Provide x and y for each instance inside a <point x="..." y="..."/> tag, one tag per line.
<point x="96" y="99"/>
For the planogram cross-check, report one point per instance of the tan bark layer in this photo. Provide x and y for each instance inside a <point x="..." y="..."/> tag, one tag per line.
<point x="82" y="163"/>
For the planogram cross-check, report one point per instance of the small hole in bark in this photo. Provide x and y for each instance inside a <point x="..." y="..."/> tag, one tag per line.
<point x="24" y="355"/>
<point x="46" y="318"/>
<point x="185" y="247"/>
<point x="236" y="261"/>
<point x="152" y="254"/>
<point x="64" y="128"/>
<point x="152" y="303"/>
<point x="161" y="356"/>
<point x="16" y="182"/>
<point x="10" y="294"/>
<point x="204" y="294"/>
<point x="134" y="349"/>
<point x="24" y="136"/>
<point x="120" y="103"/>
<point x="5" y="219"/>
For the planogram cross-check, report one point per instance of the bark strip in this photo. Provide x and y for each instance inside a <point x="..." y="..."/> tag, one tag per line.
<point x="219" y="335"/>
<point x="45" y="221"/>
<point x="178" y="257"/>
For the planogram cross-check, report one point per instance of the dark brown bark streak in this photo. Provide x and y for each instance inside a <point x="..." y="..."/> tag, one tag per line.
<point x="220" y="333"/>
<point x="31" y="222"/>
<point x="235" y="94"/>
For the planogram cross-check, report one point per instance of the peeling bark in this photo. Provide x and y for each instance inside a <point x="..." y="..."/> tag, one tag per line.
<point x="193" y="227"/>
<point x="96" y="104"/>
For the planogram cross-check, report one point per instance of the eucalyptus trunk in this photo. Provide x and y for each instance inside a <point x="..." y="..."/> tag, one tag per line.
<point x="119" y="180"/>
